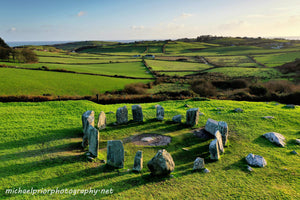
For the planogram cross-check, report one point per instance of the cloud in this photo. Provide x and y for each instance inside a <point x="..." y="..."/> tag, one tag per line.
<point x="137" y="27"/>
<point x="81" y="13"/>
<point x="12" y="29"/>
<point x="186" y="15"/>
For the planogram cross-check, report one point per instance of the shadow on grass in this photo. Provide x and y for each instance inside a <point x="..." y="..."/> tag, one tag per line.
<point x="263" y="142"/>
<point x="49" y="136"/>
<point x="38" y="152"/>
<point x="239" y="165"/>
<point x="18" y="169"/>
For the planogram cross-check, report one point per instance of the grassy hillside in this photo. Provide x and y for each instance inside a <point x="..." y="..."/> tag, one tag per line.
<point x="32" y="82"/>
<point x="40" y="148"/>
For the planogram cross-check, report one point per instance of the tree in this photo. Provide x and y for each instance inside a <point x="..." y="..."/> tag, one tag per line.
<point x="3" y="44"/>
<point x="4" y="53"/>
<point x="26" y="55"/>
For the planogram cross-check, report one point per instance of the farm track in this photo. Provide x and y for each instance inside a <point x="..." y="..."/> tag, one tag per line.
<point x="73" y="72"/>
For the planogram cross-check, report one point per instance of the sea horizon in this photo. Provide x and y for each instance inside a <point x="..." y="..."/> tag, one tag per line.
<point x="37" y="43"/>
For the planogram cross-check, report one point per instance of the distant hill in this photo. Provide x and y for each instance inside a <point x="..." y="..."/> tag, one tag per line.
<point x="72" y="46"/>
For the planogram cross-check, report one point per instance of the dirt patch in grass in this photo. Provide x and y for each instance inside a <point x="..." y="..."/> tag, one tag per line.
<point x="148" y="139"/>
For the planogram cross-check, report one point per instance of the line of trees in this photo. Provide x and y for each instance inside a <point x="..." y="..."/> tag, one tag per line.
<point x="24" y="55"/>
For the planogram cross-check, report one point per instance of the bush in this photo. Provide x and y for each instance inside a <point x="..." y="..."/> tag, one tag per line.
<point x="135" y="88"/>
<point x="279" y="86"/>
<point x="203" y="88"/>
<point x="231" y="84"/>
<point x="258" y="90"/>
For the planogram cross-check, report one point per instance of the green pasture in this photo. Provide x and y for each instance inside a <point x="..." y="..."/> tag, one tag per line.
<point x="232" y="61"/>
<point x="186" y="47"/>
<point x="133" y="69"/>
<point x="40" y="149"/>
<point x="263" y="73"/>
<point x="174" y="65"/>
<point x="274" y="60"/>
<point x="32" y="82"/>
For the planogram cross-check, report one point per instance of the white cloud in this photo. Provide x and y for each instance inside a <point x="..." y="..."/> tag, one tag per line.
<point x="186" y="15"/>
<point x="137" y="27"/>
<point x="81" y="13"/>
<point x="12" y="29"/>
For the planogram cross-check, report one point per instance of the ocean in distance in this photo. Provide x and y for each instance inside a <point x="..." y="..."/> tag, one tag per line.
<point x="38" y="43"/>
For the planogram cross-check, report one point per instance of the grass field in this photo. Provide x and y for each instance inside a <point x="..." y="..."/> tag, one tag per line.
<point x="40" y="148"/>
<point x="134" y="69"/>
<point x="173" y="65"/>
<point x="274" y="60"/>
<point x="31" y="82"/>
<point x="263" y="73"/>
<point x="232" y="61"/>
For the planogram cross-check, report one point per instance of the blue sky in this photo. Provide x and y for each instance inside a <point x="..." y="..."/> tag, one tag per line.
<point x="69" y="20"/>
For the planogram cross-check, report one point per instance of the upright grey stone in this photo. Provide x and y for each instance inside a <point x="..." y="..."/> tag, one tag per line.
<point x="101" y="120"/>
<point x="211" y="126"/>
<point x="93" y="137"/>
<point x="115" y="153"/>
<point x="177" y="118"/>
<point x="160" y="113"/>
<point x="256" y="160"/>
<point x="198" y="164"/>
<point x="161" y="164"/>
<point x="223" y="128"/>
<point x="192" y="116"/>
<point x="88" y="118"/>
<point x="214" y="150"/>
<point x="122" y="115"/>
<point x="276" y="138"/>
<point x="137" y="113"/>
<point x="220" y="142"/>
<point x="138" y="161"/>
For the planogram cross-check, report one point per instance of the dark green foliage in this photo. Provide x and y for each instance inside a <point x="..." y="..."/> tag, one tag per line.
<point x="3" y="44"/>
<point x="203" y="88"/>
<point x="258" y="90"/>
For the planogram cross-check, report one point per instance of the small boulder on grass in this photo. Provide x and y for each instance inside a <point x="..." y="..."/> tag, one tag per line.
<point x="161" y="164"/>
<point x="256" y="160"/>
<point x="276" y="138"/>
<point x="297" y="141"/>
<point x="198" y="164"/>
<point x="238" y="110"/>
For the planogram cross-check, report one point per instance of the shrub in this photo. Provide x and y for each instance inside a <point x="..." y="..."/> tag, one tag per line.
<point x="203" y="88"/>
<point x="231" y="84"/>
<point x="279" y="86"/>
<point x="258" y="90"/>
<point x="135" y="88"/>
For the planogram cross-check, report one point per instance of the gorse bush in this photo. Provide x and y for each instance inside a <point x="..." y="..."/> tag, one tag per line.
<point x="136" y="88"/>
<point x="258" y="90"/>
<point x="203" y="88"/>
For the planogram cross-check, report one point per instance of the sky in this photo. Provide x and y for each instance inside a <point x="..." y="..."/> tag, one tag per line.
<point x="79" y="20"/>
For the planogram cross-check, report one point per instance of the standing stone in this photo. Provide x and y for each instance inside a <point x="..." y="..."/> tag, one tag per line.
<point x="220" y="142"/>
<point x="93" y="137"/>
<point x="137" y="113"/>
<point x="192" y="116"/>
<point x="211" y="126"/>
<point x="177" y="118"/>
<point x="88" y="118"/>
<point x="214" y="150"/>
<point x="276" y="138"/>
<point x="161" y="164"/>
<point x="160" y="113"/>
<point x="101" y="121"/>
<point x="122" y="115"/>
<point x="138" y="161"/>
<point x="198" y="164"/>
<point x="256" y="160"/>
<point x="115" y="153"/>
<point x="223" y="128"/>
